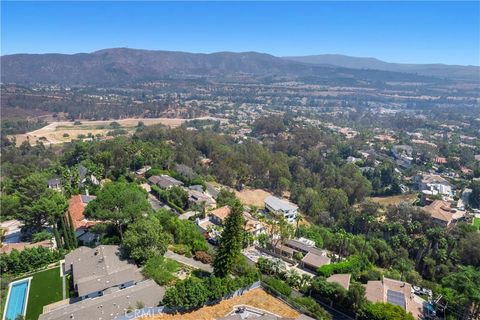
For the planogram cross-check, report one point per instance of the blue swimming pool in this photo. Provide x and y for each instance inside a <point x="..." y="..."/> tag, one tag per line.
<point x="16" y="299"/>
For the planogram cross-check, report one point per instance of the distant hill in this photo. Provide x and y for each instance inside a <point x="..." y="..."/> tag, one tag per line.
<point x="123" y="65"/>
<point x="436" y="70"/>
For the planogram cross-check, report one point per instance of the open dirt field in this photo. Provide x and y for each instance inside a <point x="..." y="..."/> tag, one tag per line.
<point x="253" y="197"/>
<point x="395" y="200"/>
<point x="54" y="132"/>
<point x="257" y="298"/>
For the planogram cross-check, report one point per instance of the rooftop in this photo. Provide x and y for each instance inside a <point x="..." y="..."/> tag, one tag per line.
<point x="280" y="204"/>
<point x="394" y="292"/>
<point x="342" y="279"/>
<point x="110" y="305"/>
<point x="315" y="261"/>
<point x="100" y="268"/>
<point x="76" y="208"/>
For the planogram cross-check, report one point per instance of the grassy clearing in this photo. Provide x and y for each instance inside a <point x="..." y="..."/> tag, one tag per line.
<point x="45" y="288"/>
<point x="476" y="222"/>
<point x="395" y="200"/>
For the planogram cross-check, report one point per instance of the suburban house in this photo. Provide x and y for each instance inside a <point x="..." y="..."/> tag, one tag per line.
<point x="281" y="207"/>
<point x="313" y="258"/>
<point x="164" y="181"/>
<point x="442" y="213"/>
<point x="198" y="197"/>
<point x="252" y="226"/>
<point x="342" y="279"/>
<point x="403" y="155"/>
<point x="55" y="184"/>
<point x="426" y="180"/>
<point x="76" y="208"/>
<point x="97" y="271"/>
<point x="110" y="306"/>
<point x="396" y="292"/>
<point x="141" y="172"/>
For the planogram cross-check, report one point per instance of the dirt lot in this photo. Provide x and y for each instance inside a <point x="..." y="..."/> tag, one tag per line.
<point x="253" y="197"/>
<point x="395" y="200"/>
<point x="54" y="132"/>
<point x="257" y="298"/>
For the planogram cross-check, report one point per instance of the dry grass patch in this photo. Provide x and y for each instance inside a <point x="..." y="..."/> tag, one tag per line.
<point x="252" y="197"/>
<point x="257" y="298"/>
<point x="395" y="200"/>
<point x="54" y="131"/>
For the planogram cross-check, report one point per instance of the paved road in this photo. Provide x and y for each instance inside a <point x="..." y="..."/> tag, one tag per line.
<point x="188" y="261"/>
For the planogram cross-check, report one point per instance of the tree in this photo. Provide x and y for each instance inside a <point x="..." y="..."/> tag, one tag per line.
<point x="120" y="203"/>
<point x="469" y="249"/>
<point x="145" y="238"/>
<point x="187" y="294"/>
<point x="48" y="208"/>
<point x="475" y="195"/>
<point x="225" y="197"/>
<point x="230" y="242"/>
<point x="356" y="296"/>
<point x="385" y="311"/>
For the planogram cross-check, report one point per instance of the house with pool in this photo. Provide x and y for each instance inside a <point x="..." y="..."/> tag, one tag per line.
<point x="107" y="286"/>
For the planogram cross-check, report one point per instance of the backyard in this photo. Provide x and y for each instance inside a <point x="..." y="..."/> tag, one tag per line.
<point x="45" y="288"/>
<point x="476" y="222"/>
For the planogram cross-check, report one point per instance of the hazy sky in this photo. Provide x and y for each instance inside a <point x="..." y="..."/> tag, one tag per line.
<point x="426" y="32"/>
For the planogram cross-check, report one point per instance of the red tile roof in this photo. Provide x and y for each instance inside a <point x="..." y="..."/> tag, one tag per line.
<point x="76" y="207"/>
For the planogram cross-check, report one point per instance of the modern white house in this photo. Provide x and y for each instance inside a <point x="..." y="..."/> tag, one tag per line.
<point x="281" y="207"/>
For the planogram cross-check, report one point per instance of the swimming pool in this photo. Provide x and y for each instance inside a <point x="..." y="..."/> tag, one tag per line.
<point x="17" y="299"/>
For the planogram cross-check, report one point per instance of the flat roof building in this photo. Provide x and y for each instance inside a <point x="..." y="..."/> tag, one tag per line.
<point x="281" y="207"/>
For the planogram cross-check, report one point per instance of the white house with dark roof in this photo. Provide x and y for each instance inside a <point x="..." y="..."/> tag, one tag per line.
<point x="96" y="270"/>
<point x="281" y="207"/>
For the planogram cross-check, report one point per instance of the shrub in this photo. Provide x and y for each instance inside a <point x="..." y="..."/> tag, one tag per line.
<point x="181" y="248"/>
<point x="40" y="236"/>
<point x="277" y="285"/>
<point x="199" y="245"/>
<point x="203" y="257"/>
<point x="160" y="269"/>
<point x="313" y="307"/>
<point x="66" y="135"/>
<point x="354" y="264"/>
<point x="77" y="123"/>
<point x="385" y="311"/>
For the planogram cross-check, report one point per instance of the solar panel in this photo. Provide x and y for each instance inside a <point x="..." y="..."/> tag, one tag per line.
<point x="397" y="298"/>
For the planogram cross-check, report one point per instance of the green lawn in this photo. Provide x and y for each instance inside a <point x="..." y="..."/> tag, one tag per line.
<point x="45" y="288"/>
<point x="476" y="222"/>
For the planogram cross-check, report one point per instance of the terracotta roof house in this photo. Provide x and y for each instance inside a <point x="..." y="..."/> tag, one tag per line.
<point x="442" y="212"/>
<point x="219" y="215"/>
<point x="76" y="208"/>
<point x="395" y="292"/>
<point x="252" y="226"/>
<point x="96" y="270"/>
<point x="19" y="246"/>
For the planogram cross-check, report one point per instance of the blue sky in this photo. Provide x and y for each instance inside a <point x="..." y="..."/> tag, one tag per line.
<point x="411" y="32"/>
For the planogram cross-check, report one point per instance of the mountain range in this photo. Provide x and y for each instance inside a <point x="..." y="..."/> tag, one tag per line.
<point x="459" y="72"/>
<point x="124" y="65"/>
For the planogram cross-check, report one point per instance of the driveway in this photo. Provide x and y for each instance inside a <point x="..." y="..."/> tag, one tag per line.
<point x="188" y="261"/>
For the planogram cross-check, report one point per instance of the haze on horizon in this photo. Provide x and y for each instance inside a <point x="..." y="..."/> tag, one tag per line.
<point x="401" y="32"/>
